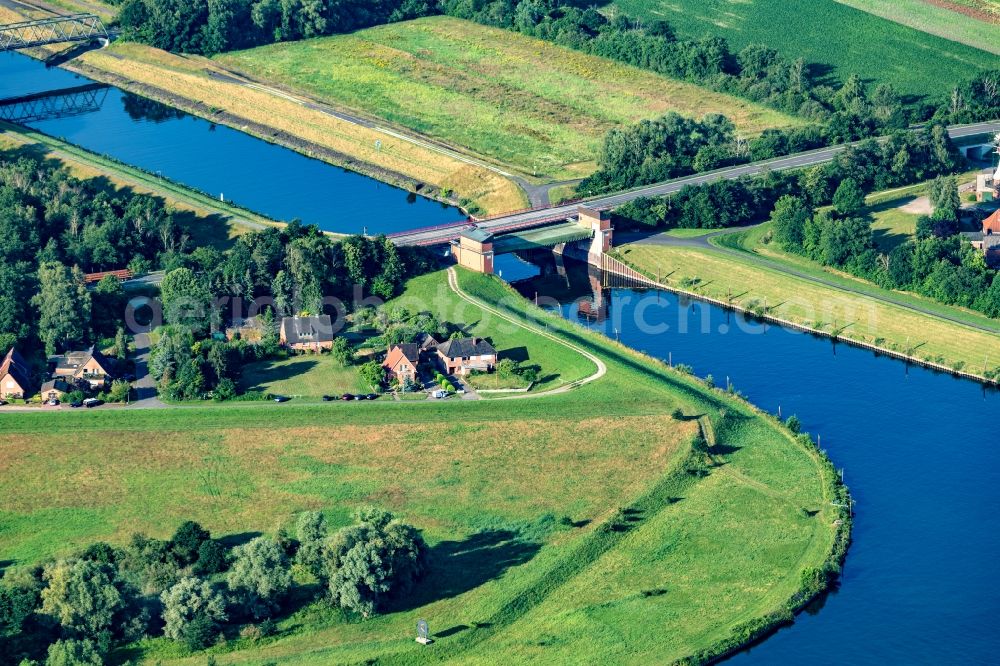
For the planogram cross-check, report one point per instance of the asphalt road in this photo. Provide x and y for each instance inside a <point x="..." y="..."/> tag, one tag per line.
<point x="540" y="216"/>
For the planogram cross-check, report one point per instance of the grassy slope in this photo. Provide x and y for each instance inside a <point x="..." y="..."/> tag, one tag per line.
<point x="206" y="220"/>
<point x="924" y="16"/>
<point x="458" y="469"/>
<point x="828" y="33"/>
<point x="498" y="94"/>
<point x="798" y="300"/>
<point x="195" y="79"/>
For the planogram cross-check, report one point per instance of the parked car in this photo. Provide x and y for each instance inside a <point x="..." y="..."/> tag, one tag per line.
<point x="52" y="403"/>
<point x="76" y="404"/>
<point x="439" y="394"/>
<point x="372" y="396"/>
<point x="359" y="397"/>
<point x="2" y="403"/>
<point x="281" y="398"/>
<point x="328" y="398"/>
<point x="347" y="396"/>
<point x="92" y="402"/>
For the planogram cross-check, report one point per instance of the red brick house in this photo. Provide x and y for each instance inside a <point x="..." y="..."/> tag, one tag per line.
<point x="14" y="377"/>
<point x="90" y="366"/>
<point x="463" y="355"/>
<point x="401" y="362"/>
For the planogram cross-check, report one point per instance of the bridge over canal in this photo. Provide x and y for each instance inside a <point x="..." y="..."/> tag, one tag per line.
<point x="53" y="30"/>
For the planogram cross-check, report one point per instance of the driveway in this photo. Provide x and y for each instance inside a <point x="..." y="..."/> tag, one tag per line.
<point x="145" y="386"/>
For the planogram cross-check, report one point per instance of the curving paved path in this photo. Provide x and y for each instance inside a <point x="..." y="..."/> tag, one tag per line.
<point x="602" y="368"/>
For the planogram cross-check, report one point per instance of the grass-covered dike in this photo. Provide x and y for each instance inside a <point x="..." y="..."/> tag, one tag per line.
<point x="643" y="504"/>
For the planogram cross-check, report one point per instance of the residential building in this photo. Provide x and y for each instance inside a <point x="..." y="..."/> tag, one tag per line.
<point x="56" y="389"/>
<point x="90" y="366"/>
<point x="14" y="377"/>
<point x="463" y="355"/>
<point x="988" y="240"/>
<point x="307" y="333"/>
<point x="401" y="362"/>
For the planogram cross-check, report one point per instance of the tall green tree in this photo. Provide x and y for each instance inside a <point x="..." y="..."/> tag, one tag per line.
<point x="63" y="307"/>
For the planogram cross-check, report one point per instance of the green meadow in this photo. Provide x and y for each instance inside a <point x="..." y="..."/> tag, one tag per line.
<point x="518" y="101"/>
<point x="558" y="524"/>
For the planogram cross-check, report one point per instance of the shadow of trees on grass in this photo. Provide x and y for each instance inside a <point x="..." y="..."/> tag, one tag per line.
<point x="460" y="566"/>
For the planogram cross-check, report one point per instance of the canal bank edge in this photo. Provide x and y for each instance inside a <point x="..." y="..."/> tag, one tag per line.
<point x="765" y="316"/>
<point x="264" y="133"/>
<point x="131" y="176"/>
<point x="815" y="581"/>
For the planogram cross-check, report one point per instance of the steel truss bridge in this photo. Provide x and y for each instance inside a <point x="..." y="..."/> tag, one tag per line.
<point x="70" y="28"/>
<point x="54" y="104"/>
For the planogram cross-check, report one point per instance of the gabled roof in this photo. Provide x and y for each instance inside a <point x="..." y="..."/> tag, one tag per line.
<point x="14" y="365"/>
<point x="72" y="360"/>
<point x="408" y="351"/>
<point x="307" y="330"/>
<point x="992" y="223"/>
<point x="462" y="347"/>
<point x="57" y="384"/>
<point x="426" y="341"/>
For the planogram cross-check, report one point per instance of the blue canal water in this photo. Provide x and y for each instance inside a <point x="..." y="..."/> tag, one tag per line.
<point x="255" y="174"/>
<point x="920" y="451"/>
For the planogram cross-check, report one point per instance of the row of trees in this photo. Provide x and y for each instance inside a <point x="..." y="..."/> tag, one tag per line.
<point x="209" y="27"/>
<point x="906" y="157"/>
<point x="196" y="590"/>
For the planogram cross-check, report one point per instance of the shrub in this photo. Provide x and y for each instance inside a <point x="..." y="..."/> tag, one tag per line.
<point x="192" y="610"/>
<point x="259" y="577"/>
<point x="794" y="424"/>
<point x="376" y="557"/>
<point x="212" y="558"/>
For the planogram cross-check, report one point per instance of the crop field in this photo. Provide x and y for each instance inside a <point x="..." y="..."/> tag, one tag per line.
<point x="981" y="33"/>
<point x="837" y="37"/>
<point x="573" y="516"/>
<point x="539" y="108"/>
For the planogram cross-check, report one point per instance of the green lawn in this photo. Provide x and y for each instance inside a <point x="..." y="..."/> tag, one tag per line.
<point x="840" y="38"/>
<point x="518" y="101"/>
<point x="927" y="17"/>
<point x="848" y="307"/>
<point x="308" y="376"/>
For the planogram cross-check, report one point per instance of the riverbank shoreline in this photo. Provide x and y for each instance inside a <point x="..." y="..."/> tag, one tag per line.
<point x="81" y="162"/>
<point x="766" y="316"/>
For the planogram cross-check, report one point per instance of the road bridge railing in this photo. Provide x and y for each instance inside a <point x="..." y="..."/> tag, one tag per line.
<point x="54" y="30"/>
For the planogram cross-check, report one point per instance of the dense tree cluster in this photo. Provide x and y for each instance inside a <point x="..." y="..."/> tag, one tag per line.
<point x="196" y="590"/>
<point x="208" y="27"/>
<point x="53" y="229"/>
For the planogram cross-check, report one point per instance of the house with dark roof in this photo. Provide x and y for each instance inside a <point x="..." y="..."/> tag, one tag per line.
<point x="90" y="366"/>
<point x="56" y="389"/>
<point x="14" y="377"/>
<point x="463" y="355"/>
<point x="401" y="362"/>
<point x="307" y="333"/>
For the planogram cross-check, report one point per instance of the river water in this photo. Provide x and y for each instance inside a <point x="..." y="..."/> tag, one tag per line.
<point x="919" y="451"/>
<point x="221" y="161"/>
